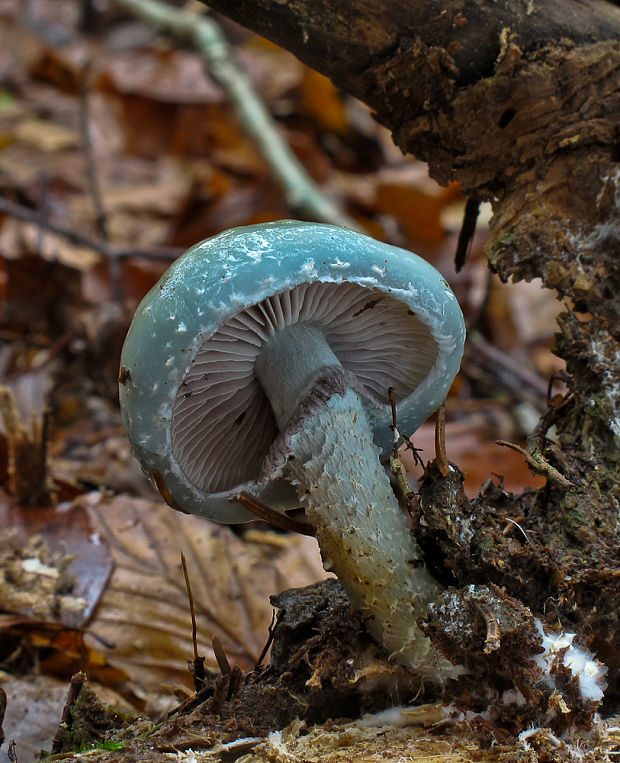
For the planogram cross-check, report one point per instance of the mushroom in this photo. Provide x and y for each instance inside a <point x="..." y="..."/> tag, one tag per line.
<point x="261" y="364"/>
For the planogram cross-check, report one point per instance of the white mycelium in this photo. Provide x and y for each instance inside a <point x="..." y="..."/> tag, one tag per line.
<point x="589" y="672"/>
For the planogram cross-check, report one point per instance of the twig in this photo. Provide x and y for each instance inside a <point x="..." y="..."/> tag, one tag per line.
<point x="76" y="238"/>
<point x="466" y="235"/>
<point x="220" y="656"/>
<point x="92" y="178"/>
<point x="560" y="376"/>
<point x="101" y="221"/>
<point x="227" y="685"/>
<point x="270" y="636"/>
<point x="483" y="360"/>
<point x="539" y="465"/>
<point x="273" y="517"/>
<point x="198" y="671"/>
<point x="45" y="358"/>
<point x="77" y="681"/>
<point x="190" y="598"/>
<point x="302" y="194"/>
<point x="3" y="704"/>
<point x="440" y="442"/>
<point x="407" y="499"/>
<point x="415" y="452"/>
<point x="550" y="416"/>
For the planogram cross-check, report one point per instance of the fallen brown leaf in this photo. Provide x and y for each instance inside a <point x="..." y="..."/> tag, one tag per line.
<point x="63" y="565"/>
<point x="144" y="612"/>
<point x="45" y="136"/>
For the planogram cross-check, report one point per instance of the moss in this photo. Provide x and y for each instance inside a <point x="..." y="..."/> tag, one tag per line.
<point x="93" y="724"/>
<point x="108" y="744"/>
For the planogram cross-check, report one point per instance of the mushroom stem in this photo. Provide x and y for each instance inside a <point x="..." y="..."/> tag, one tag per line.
<point x="289" y="364"/>
<point x="362" y="533"/>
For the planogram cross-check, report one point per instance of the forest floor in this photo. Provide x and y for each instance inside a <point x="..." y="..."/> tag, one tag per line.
<point x="117" y="151"/>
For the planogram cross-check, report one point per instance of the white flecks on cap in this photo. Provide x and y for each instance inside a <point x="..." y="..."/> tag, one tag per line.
<point x="308" y="270"/>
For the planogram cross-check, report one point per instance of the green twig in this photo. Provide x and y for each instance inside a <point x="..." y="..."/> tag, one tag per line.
<point x="302" y="194"/>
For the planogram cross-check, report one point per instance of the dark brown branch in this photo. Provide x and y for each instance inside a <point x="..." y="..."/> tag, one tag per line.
<point x="500" y="371"/>
<point x="411" y="60"/>
<point x="466" y="235"/>
<point x="271" y="631"/>
<point x="344" y="39"/>
<point x="519" y="102"/>
<point x="539" y="465"/>
<point x="220" y="656"/>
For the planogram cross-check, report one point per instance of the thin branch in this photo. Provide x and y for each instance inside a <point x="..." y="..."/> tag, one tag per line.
<point x="101" y="220"/>
<point x="540" y="465"/>
<point x="441" y="457"/>
<point x="490" y="365"/>
<point x="271" y="631"/>
<point x="76" y="238"/>
<point x="77" y="681"/>
<point x="198" y="671"/>
<point x="92" y="177"/>
<point x="398" y="435"/>
<point x="407" y="499"/>
<point x="220" y="656"/>
<point x="190" y="599"/>
<point x="273" y="517"/>
<point x="302" y="194"/>
<point x="466" y="235"/>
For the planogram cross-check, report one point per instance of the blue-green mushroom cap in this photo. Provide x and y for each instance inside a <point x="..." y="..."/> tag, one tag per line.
<point x="196" y="416"/>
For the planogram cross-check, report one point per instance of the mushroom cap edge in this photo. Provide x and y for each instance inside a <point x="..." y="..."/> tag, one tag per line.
<point x="228" y="272"/>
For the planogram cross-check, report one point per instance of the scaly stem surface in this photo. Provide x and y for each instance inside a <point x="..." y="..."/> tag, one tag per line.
<point x="362" y="533"/>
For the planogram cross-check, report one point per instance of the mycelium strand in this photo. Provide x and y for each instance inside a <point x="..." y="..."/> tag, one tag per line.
<point x="335" y="467"/>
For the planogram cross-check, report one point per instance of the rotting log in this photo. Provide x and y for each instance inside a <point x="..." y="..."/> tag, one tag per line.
<point x="520" y="103"/>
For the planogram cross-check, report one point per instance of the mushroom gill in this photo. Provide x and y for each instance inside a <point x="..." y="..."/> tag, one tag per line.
<point x="222" y="422"/>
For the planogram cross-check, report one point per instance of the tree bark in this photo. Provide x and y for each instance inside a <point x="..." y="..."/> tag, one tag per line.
<point x="513" y="100"/>
<point x="520" y="103"/>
